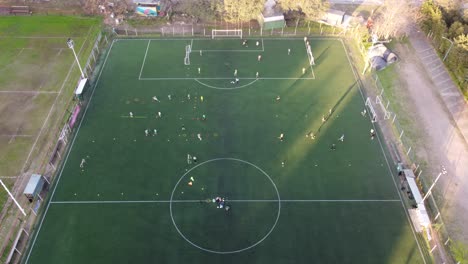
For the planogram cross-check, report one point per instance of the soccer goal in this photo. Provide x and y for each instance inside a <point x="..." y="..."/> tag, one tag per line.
<point x="226" y="33"/>
<point x="188" y="49"/>
<point x="387" y="114"/>
<point x="309" y="53"/>
<point x="372" y="112"/>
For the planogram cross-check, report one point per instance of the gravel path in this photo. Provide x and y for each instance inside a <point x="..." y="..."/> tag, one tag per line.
<point x="443" y="113"/>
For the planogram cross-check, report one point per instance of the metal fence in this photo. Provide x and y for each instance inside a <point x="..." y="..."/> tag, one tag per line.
<point x="405" y="144"/>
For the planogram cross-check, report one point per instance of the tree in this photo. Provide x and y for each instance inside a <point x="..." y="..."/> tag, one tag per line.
<point x="395" y="19"/>
<point x="460" y="252"/>
<point x="455" y="30"/>
<point x="200" y="9"/>
<point x="313" y="9"/>
<point x="432" y="19"/>
<point x="242" y="10"/>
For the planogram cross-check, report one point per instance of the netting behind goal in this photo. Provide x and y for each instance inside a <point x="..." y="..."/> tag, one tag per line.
<point x="226" y="33"/>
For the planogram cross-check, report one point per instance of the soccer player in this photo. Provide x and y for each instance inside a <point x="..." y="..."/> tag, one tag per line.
<point x="199" y="136"/>
<point x="259" y="58"/>
<point x="372" y="133"/>
<point x="289" y="51"/>
<point x="257" y="43"/>
<point x="82" y="163"/>
<point x="204" y="117"/>
<point x="146" y="132"/>
<point x="281" y="137"/>
<point x="364" y="112"/>
<point x="169" y="97"/>
<point x="235" y="72"/>
<point x="305" y="39"/>
<point x="188" y="96"/>
<point x="333" y="147"/>
<point x="130" y="114"/>
<point x="159" y="114"/>
<point x="303" y="70"/>
<point x="237" y="80"/>
<point x="156" y="99"/>
<point x="183" y="128"/>
<point x="256" y="75"/>
<point x="278" y="98"/>
<point x="341" y="138"/>
<point x="199" y="70"/>
<point x="201" y="98"/>
<point x="155" y="132"/>
<point x="201" y="53"/>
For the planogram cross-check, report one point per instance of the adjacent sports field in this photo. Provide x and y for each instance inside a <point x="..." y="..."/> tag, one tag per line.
<point x="130" y="193"/>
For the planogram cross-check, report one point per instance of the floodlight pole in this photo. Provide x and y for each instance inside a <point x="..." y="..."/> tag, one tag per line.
<point x="14" y="200"/>
<point x="71" y="45"/>
<point x="430" y="188"/>
<point x="451" y="44"/>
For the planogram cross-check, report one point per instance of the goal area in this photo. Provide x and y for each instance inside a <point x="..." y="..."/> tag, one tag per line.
<point x="226" y="33"/>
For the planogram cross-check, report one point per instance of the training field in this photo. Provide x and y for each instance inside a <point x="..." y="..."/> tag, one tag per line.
<point x="127" y="197"/>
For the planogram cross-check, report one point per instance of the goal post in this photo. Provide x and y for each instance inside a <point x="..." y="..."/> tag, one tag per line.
<point x="372" y="113"/>
<point x="188" y="49"/>
<point x="387" y="114"/>
<point x="226" y="33"/>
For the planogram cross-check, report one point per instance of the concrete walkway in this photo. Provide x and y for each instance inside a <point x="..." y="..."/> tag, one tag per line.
<point x="450" y="94"/>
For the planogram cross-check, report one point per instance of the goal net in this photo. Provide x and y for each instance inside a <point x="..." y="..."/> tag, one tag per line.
<point x="372" y="112"/>
<point x="387" y="114"/>
<point x="309" y="53"/>
<point x="188" y="49"/>
<point x="226" y="33"/>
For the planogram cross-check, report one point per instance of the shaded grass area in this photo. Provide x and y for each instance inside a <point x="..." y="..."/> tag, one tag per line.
<point x="122" y="164"/>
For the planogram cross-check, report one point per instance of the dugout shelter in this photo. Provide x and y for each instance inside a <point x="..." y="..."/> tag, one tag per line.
<point x="34" y="187"/>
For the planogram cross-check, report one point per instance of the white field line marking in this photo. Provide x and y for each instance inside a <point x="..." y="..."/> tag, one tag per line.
<point x="30" y="92"/>
<point x="207" y="38"/>
<point x="226" y="88"/>
<point x="68" y="153"/>
<point x="228" y="50"/>
<point x="222" y="78"/>
<point x="227" y="200"/>
<point x="144" y="59"/>
<point x="386" y="160"/>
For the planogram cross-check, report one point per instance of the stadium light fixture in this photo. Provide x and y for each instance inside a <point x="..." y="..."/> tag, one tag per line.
<point x="14" y="200"/>
<point x="430" y="188"/>
<point x="71" y="45"/>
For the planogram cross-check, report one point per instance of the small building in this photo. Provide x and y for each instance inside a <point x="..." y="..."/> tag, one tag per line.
<point x="334" y="17"/>
<point x="34" y="187"/>
<point x="148" y="8"/>
<point x="271" y="17"/>
<point x="80" y="88"/>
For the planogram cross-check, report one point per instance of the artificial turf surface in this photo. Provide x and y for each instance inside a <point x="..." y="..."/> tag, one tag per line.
<point x="291" y="201"/>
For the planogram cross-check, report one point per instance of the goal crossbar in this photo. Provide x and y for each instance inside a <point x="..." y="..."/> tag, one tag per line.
<point x="226" y="33"/>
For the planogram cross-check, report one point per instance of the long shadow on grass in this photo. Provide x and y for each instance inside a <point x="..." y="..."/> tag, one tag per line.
<point x="332" y="110"/>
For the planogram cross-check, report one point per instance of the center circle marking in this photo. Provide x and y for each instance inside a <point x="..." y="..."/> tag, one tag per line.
<point x="232" y="251"/>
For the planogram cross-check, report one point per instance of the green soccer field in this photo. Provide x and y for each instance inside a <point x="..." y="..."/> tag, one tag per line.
<point x="131" y="191"/>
